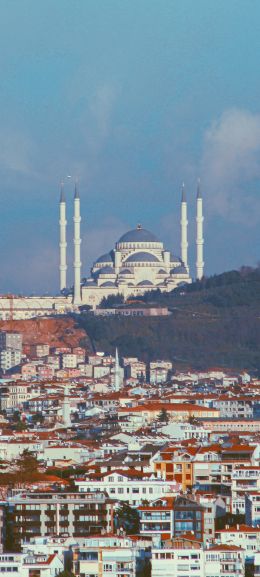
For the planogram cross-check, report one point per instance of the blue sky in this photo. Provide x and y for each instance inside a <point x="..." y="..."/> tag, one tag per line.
<point x="132" y="97"/>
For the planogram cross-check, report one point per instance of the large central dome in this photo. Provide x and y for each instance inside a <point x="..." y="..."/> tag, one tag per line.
<point x="138" y="234"/>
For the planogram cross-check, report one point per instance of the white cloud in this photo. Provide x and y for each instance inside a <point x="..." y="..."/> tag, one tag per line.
<point x="231" y="164"/>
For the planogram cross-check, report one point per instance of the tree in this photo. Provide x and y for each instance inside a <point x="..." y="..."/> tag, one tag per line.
<point x="163" y="416"/>
<point x="111" y="301"/>
<point x="128" y="519"/>
<point x="27" y="464"/>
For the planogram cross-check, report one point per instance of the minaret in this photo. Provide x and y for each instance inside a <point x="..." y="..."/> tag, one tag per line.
<point x="184" y="228"/>
<point x="63" y="243"/>
<point x="117" y="381"/>
<point x="199" y="236"/>
<point x="66" y="407"/>
<point x="77" y="242"/>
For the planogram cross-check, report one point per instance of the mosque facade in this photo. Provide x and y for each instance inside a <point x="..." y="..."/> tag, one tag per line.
<point x="138" y="263"/>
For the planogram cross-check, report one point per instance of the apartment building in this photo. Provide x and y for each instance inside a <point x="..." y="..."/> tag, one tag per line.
<point x="244" y="536"/>
<point x="126" y="485"/>
<point x="193" y="561"/>
<point x="245" y="479"/>
<point x="28" y="565"/>
<point x="11" y="341"/>
<point x="108" y="556"/>
<point x="35" y="514"/>
<point x="9" y="359"/>
<point x="170" y="517"/>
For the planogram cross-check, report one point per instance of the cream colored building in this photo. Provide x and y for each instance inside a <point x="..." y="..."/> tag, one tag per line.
<point x="138" y="263"/>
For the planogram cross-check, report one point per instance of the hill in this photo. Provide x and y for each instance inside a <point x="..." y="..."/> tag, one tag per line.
<point x="54" y="331"/>
<point x="214" y="322"/>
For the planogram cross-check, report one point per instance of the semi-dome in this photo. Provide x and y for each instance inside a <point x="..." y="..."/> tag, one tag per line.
<point x="108" y="283"/>
<point x="106" y="270"/>
<point x="145" y="283"/>
<point x="126" y="271"/>
<point x="138" y="234"/>
<point x="142" y="257"/>
<point x="179" y="270"/>
<point x="89" y="282"/>
<point x="105" y="258"/>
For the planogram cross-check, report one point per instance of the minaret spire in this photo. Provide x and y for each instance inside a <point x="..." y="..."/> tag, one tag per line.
<point x="77" y="243"/>
<point x="184" y="228"/>
<point x="63" y="242"/>
<point x="199" y="235"/>
<point x="117" y="381"/>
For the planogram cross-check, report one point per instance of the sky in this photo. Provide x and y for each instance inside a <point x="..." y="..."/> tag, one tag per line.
<point x="132" y="98"/>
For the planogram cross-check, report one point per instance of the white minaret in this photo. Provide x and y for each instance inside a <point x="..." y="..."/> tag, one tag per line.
<point x="117" y="375"/>
<point x="66" y="407"/>
<point x="77" y="242"/>
<point x="199" y="236"/>
<point x="63" y="242"/>
<point x="184" y="228"/>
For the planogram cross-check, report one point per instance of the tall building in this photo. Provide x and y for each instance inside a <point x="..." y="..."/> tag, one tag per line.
<point x="12" y="341"/>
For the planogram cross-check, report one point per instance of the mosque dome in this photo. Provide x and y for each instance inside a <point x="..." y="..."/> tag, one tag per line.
<point x="126" y="271"/>
<point x="145" y="283"/>
<point x="142" y="257"/>
<point x="107" y="284"/>
<point x="179" y="270"/>
<point x="138" y="234"/>
<point x="106" y="270"/>
<point x="105" y="258"/>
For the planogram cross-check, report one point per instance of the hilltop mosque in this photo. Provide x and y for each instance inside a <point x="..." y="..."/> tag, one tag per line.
<point x="139" y="262"/>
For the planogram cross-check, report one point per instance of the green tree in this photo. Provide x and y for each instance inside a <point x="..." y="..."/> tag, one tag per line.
<point x="27" y="464"/>
<point x="163" y="416"/>
<point x="127" y="518"/>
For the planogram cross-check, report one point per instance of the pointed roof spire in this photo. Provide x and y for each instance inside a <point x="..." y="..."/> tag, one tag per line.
<point x="62" y="195"/>
<point x="116" y="358"/>
<point x="76" y="193"/>
<point x="198" y="189"/>
<point x="183" y="193"/>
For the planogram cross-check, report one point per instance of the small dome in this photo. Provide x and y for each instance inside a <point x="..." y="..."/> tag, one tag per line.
<point x="161" y="271"/>
<point x="108" y="283"/>
<point x="142" y="257"/>
<point x="105" y="258"/>
<point x="138" y="234"/>
<point x="145" y="283"/>
<point x="125" y="271"/>
<point x="179" y="270"/>
<point x="106" y="270"/>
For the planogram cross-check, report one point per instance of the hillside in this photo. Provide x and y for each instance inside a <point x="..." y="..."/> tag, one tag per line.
<point x="56" y="331"/>
<point x="213" y="322"/>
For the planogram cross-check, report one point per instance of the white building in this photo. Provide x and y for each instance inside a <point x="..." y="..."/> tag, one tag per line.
<point x="196" y="562"/>
<point x="10" y="359"/>
<point x="126" y="486"/>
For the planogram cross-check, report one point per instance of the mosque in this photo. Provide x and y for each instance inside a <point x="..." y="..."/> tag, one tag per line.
<point x="139" y="262"/>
